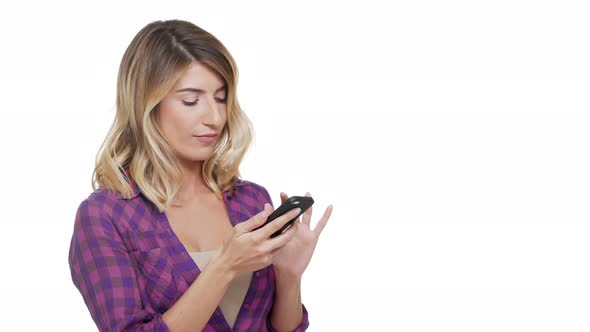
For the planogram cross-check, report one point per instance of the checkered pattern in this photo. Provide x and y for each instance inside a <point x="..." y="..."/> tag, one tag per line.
<point x="130" y="267"/>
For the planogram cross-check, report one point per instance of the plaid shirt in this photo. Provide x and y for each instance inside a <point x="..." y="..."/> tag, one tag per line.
<point x="130" y="267"/>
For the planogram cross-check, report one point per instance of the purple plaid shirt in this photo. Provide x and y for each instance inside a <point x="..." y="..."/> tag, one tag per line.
<point x="130" y="267"/>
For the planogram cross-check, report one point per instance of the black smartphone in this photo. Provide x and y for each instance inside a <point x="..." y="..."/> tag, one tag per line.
<point x="302" y="202"/>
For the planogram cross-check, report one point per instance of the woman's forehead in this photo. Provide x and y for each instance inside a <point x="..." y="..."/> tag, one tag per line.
<point x="200" y="78"/>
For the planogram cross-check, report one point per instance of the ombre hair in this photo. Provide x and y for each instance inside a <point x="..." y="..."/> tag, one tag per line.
<point x="152" y="63"/>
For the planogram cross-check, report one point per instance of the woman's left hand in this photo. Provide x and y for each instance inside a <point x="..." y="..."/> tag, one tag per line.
<point x="293" y="258"/>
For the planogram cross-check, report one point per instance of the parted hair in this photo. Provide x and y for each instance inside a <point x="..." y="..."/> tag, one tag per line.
<point x="152" y="63"/>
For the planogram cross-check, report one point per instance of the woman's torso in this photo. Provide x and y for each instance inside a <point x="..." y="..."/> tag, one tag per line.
<point x="233" y="298"/>
<point x="160" y="265"/>
<point x="201" y="224"/>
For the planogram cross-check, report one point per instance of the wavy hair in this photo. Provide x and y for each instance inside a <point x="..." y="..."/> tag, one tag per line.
<point x="152" y="63"/>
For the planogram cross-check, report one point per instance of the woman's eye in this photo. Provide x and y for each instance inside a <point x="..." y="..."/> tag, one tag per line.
<point x="192" y="103"/>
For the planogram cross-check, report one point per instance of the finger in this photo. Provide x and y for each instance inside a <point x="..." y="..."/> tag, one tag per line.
<point x="256" y="221"/>
<point x="278" y="242"/>
<point x="323" y="221"/>
<point x="282" y="220"/>
<point x="277" y="223"/>
<point x="284" y="197"/>
<point x="306" y="220"/>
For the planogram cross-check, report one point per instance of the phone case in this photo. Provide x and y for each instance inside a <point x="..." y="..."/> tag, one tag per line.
<point x="303" y="202"/>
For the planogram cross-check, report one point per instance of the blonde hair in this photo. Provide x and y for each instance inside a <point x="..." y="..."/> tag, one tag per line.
<point x="155" y="59"/>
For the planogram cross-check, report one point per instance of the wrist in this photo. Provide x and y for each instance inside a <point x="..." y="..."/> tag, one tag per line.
<point x="286" y="276"/>
<point x="222" y="267"/>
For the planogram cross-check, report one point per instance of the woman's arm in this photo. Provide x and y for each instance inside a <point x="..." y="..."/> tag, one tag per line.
<point x="288" y="312"/>
<point x="103" y="272"/>
<point x="195" y="307"/>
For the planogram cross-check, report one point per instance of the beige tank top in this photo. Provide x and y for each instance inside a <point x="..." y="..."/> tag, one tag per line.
<point x="236" y="292"/>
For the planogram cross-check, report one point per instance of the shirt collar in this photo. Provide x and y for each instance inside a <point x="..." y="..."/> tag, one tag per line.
<point x="136" y="190"/>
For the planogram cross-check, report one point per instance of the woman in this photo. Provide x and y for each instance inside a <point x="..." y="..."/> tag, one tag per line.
<point x="166" y="242"/>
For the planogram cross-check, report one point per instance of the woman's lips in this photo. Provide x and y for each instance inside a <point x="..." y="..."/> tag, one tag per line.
<point x="206" y="139"/>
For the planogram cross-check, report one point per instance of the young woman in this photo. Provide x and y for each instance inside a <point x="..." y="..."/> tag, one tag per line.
<point x="167" y="242"/>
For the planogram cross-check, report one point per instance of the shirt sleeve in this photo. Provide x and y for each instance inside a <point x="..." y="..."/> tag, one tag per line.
<point x="302" y="327"/>
<point x="103" y="272"/>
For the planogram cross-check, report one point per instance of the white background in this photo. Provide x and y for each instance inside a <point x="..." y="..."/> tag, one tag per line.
<point x="452" y="138"/>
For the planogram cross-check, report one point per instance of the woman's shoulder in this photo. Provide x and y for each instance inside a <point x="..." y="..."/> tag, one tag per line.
<point x="250" y="185"/>
<point x="100" y="205"/>
<point x="97" y="204"/>
<point x="100" y="196"/>
<point x="254" y="190"/>
<point x="104" y="212"/>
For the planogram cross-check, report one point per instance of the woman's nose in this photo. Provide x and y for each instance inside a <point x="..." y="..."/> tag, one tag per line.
<point x="213" y="112"/>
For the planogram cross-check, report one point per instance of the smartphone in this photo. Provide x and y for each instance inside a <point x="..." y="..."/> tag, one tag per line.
<point x="302" y="202"/>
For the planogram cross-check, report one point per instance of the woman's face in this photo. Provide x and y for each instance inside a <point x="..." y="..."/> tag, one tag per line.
<point x="195" y="106"/>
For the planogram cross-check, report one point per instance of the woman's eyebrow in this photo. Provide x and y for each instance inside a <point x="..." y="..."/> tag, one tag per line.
<point x="200" y="90"/>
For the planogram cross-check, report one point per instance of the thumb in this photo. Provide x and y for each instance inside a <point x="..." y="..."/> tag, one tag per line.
<point x="284" y="197"/>
<point x="258" y="220"/>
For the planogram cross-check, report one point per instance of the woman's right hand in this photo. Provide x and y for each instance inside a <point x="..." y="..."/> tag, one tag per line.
<point x="245" y="250"/>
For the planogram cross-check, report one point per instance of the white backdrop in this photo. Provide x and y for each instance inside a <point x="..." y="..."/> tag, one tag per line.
<point x="450" y="136"/>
